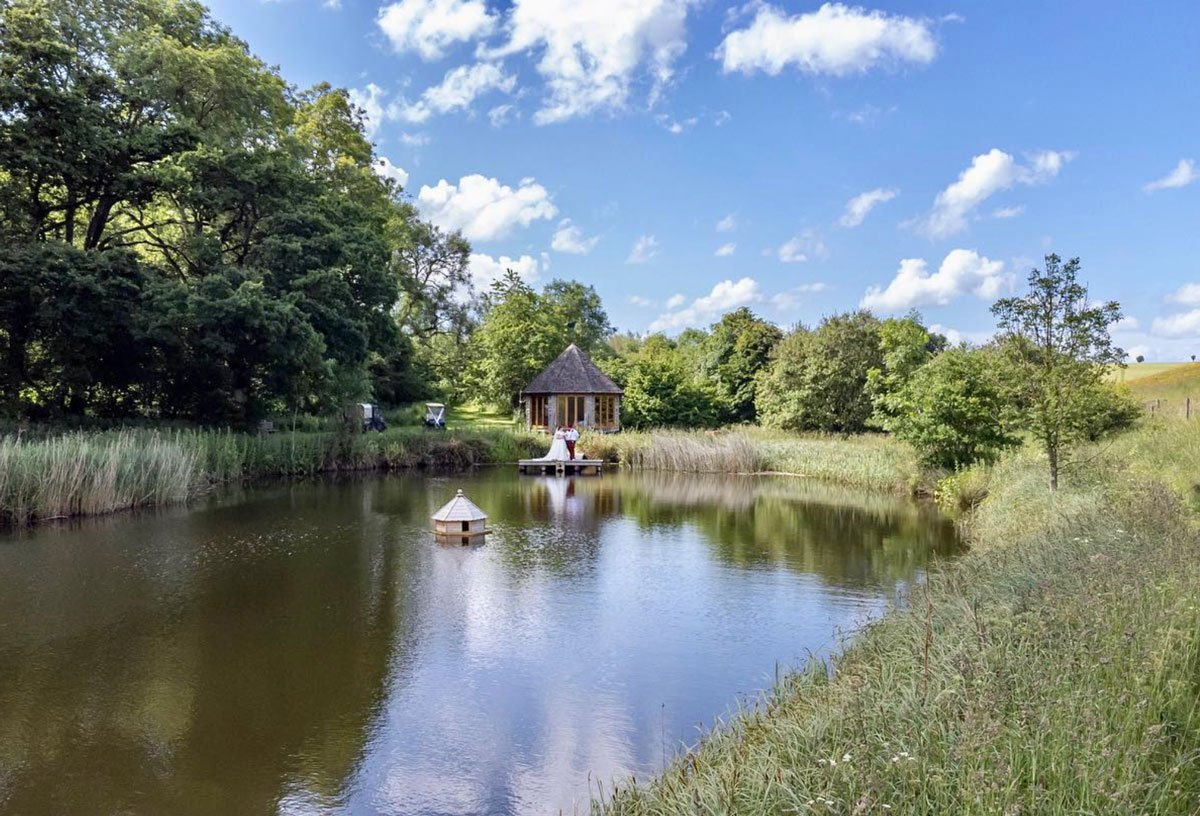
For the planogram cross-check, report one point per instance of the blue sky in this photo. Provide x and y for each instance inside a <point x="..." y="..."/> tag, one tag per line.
<point x="686" y="158"/>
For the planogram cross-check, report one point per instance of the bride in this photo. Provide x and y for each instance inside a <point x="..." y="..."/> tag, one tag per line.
<point x="558" y="448"/>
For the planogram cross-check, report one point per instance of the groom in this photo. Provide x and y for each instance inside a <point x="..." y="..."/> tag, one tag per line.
<point x="572" y="437"/>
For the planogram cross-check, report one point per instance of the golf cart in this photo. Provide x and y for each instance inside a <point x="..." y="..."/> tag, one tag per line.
<point x="435" y="416"/>
<point x="372" y="417"/>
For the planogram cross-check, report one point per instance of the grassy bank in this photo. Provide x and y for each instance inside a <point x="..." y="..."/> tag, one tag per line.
<point x="872" y="461"/>
<point x="74" y="474"/>
<point x="1055" y="668"/>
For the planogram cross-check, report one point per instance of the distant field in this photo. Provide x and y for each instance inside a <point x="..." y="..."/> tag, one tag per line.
<point x="1171" y="383"/>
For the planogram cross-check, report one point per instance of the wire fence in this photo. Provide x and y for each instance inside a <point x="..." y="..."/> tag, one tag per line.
<point x="1186" y="407"/>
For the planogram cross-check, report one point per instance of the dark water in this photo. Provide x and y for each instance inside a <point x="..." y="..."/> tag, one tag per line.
<point x="310" y="649"/>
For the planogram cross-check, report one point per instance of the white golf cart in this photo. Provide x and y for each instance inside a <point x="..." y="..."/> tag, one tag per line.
<point x="435" y="416"/>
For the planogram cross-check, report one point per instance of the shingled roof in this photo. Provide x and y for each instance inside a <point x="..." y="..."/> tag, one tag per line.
<point x="572" y="373"/>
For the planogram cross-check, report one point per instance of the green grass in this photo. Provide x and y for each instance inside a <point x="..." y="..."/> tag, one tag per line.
<point x="54" y="476"/>
<point x="1169" y="385"/>
<point x="1053" y="669"/>
<point x="479" y="417"/>
<point x="1140" y="371"/>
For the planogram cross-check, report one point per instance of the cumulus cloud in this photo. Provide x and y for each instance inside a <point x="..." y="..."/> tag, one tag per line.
<point x="385" y="169"/>
<point x="725" y="250"/>
<point x="1184" y="324"/>
<point x="727" y="224"/>
<point x="569" y="238"/>
<point x="802" y="247"/>
<point x="644" y="248"/>
<point x="1183" y="175"/>
<point x="789" y="300"/>
<point x="1188" y="295"/>
<point x="591" y="53"/>
<point x="962" y="272"/>
<point x="988" y="174"/>
<point x="429" y="27"/>
<point x="835" y="39"/>
<point x="725" y="296"/>
<point x="483" y="208"/>
<point x="459" y="88"/>
<point x="370" y="99"/>
<point x="858" y="207"/>
<point x="486" y="270"/>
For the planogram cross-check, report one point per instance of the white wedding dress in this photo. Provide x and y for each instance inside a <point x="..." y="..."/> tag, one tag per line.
<point x="558" y="449"/>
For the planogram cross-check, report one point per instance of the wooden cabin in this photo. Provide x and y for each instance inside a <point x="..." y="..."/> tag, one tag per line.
<point x="572" y="391"/>
<point x="460" y="517"/>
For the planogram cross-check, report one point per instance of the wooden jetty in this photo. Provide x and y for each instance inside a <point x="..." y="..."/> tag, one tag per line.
<point x="561" y="467"/>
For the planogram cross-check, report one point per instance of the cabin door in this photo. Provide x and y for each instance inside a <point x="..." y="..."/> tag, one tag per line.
<point x="570" y="409"/>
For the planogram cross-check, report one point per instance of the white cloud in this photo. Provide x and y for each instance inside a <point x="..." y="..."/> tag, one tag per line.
<point x="789" y="300"/>
<point x="858" y="207"/>
<point x="500" y="115"/>
<point x="638" y="300"/>
<point x="644" y="248"/>
<point x="1183" y="175"/>
<point x="1188" y="295"/>
<point x="727" y="223"/>
<point x="1008" y="212"/>
<point x="953" y="336"/>
<point x="1133" y="352"/>
<point x="725" y="296"/>
<point x="457" y="91"/>
<point x="414" y="139"/>
<point x="591" y="53"/>
<point x="1127" y="323"/>
<point x="385" y="169"/>
<point x="486" y="270"/>
<point x="988" y="174"/>
<point x="675" y="301"/>
<point x="725" y="250"/>
<point x="483" y="208"/>
<point x="802" y="247"/>
<point x="1184" y="324"/>
<point x="370" y="99"/>
<point x="962" y="272"/>
<point x="835" y="39"/>
<point x="429" y="27"/>
<point x="569" y="238"/>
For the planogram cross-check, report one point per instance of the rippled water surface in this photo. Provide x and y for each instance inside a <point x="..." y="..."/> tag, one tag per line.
<point x="310" y="648"/>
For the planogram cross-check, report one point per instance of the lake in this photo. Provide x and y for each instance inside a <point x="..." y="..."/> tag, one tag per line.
<point x="310" y="648"/>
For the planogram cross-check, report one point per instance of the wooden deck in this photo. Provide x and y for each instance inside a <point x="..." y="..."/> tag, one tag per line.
<point x="575" y="467"/>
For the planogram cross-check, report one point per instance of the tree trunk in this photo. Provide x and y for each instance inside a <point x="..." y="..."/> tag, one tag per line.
<point x="1053" y="451"/>
<point x="99" y="221"/>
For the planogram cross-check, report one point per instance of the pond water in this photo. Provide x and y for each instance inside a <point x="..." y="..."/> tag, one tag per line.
<point x="310" y="649"/>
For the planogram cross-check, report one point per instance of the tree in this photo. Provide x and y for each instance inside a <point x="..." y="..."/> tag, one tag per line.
<point x="738" y="347"/>
<point x="953" y="410"/>
<point x="1057" y="346"/>
<point x="906" y="345"/>
<point x="817" y="378"/>
<point x="661" y="388"/>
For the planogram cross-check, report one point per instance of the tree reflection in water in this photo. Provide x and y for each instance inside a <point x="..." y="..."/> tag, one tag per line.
<point x="310" y="649"/>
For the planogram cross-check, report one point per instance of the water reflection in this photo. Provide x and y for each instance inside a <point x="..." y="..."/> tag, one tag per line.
<point x="310" y="649"/>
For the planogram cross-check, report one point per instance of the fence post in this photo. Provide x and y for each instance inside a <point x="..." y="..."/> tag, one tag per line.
<point x="1187" y="411"/>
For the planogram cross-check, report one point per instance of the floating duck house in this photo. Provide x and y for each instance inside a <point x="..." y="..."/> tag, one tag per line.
<point x="460" y="517"/>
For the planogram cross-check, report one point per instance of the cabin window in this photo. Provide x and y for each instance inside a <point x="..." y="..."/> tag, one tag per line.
<point x="606" y="412"/>
<point x="571" y="409"/>
<point x="538" y="417"/>
<point x="466" y="526"/>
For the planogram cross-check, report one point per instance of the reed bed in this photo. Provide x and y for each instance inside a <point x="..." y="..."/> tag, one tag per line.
<point x="1052" y="669"/>
<point x="75" y="474"/>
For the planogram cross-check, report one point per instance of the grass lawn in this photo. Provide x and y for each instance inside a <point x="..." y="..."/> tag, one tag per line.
<point x="477" y="417"/>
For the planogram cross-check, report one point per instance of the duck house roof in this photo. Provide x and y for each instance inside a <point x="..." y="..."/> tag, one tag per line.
<point x="572" y="372"/>
<point x="460" y="508"/>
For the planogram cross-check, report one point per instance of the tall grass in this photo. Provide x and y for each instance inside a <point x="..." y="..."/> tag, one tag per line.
<point x="1055" y="668"/>
<point x="871" y="461"/>
<point x="86" y="473"/>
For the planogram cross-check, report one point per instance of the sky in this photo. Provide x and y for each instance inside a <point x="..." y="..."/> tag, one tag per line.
<point x="687" y="158"/>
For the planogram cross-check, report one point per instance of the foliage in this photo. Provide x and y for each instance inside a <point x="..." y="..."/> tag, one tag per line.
<point x="1057" y="346"/>
<point x="953" y="410"/>
<point x="661" y="390"/>
<point x="906" y="345"/>
<point x="185" y="236"/>
<point x="738" y="346"/>
<point x="817" y="378"/>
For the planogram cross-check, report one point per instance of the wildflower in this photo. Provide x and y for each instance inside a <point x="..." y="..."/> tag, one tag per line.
<point x="845" y="757"/>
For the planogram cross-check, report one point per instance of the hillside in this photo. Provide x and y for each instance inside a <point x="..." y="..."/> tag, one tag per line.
<point x="1171" y="383"/>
